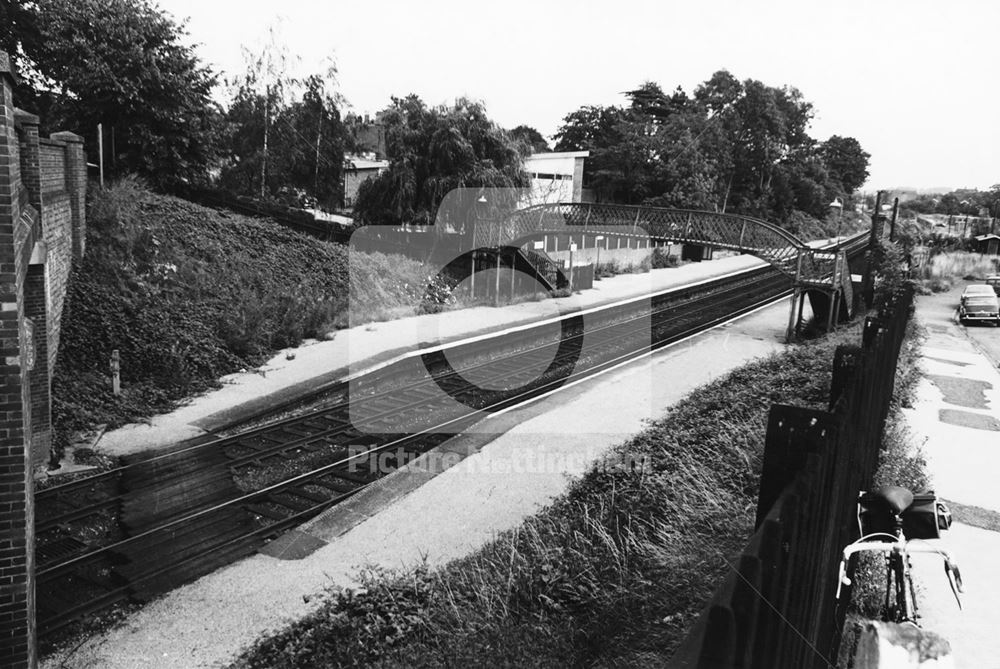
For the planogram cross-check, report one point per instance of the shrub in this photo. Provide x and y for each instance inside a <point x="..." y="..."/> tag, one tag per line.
<point x="659" y="259"/>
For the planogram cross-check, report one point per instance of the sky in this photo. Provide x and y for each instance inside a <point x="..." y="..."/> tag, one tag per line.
<point x="914" y="82"/>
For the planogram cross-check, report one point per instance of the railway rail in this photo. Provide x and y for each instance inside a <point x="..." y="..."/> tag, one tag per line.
<point x="181" y="514"/>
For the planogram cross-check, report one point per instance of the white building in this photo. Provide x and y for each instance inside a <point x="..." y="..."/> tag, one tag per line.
<point x="556" y="177"/>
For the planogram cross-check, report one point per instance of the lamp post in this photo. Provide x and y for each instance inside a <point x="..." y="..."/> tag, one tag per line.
<point x="477" y="213"/>
<point x="839" y="207"/>
<point x="597" y="265"/>
<point x="572" y="248"/>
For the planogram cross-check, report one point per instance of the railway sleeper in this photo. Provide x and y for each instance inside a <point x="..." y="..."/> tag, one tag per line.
<point x="309" y="495"/>
<point x="287" y="499"/>
<point x="193" y="567"/>
<point x="337" y="486"/>
<point x="146" y="514"/>
<point x="168" y="555"/>
<point x="176" y="487"/>
<point x="265" y="511"/>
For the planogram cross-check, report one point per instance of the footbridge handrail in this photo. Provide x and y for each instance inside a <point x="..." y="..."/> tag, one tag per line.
<point x="735" y="232"/>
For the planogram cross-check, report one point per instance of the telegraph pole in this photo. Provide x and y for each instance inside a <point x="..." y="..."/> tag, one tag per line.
<point x="892" y="226"/>
<point x="868" y="285"/>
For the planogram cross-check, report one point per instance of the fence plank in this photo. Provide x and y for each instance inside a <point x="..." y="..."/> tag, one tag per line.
<point x="719" y="644"/>
<point x="792" y="433"/>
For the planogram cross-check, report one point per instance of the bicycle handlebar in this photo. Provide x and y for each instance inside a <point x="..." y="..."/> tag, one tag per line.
<point x="864" y="545"/>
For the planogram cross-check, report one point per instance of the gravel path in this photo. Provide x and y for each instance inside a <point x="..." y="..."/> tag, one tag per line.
<point x="206" y="623"/>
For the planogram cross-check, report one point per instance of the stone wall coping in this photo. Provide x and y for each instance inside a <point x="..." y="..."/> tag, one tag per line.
<point x="48" y="141"/>
<point x="22" y="117"/>
<point x="67" y="136"/>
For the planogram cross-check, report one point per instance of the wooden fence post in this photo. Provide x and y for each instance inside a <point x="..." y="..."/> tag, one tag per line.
<point x="116" y="367"/>
<point x="792" y="433"/>
<point x="718" y="649"/>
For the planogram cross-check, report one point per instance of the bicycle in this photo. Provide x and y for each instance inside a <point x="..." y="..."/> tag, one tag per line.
<point x="890" y="519"/>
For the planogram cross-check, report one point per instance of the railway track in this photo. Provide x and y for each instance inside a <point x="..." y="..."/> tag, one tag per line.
<point x="182" y="514"/>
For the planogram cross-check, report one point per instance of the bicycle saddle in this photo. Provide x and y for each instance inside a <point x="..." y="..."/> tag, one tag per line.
<point x="895" y="498"/>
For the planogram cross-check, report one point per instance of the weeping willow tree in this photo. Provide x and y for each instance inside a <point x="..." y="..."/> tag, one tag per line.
<point x="432" y="151"/>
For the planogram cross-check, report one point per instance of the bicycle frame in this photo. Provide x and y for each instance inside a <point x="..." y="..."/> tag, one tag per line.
<point x="897" y="553"/>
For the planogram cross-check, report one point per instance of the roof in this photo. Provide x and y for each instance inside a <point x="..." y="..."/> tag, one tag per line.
<point x="982" y="238"/>
<point x="359" y="163"/>
<point x="556" y="155"/>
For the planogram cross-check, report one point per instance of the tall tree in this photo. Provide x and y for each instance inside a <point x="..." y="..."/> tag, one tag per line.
<point x="285" y="136"/>
<point x="846" y="161"/>
<point x="312" y="156"/>
<point x="733" y="145"/>
<point x="433" y="151"/>
<point x="264" y="89"/>
<point x="119" y="63"/>
<point x="533" y="140"/>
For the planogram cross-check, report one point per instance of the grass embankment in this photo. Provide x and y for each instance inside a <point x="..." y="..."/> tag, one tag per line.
<point x="612" y="573"/>
<point x="188" y="294"/>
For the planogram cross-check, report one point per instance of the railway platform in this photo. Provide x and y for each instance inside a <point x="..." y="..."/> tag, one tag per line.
<point x="301" y="371"/>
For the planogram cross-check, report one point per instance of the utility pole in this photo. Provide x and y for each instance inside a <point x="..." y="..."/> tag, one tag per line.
<point x="100" y="150"/>
<point x="868" y="285"/>
<point x="892" y="226"/>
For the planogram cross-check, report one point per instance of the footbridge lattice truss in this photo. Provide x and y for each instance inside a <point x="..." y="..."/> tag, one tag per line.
<point x="809" y="267"/>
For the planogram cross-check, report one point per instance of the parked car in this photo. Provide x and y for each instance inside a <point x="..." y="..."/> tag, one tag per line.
<point x="979" y="303"/>
<point x="995" y="282"/>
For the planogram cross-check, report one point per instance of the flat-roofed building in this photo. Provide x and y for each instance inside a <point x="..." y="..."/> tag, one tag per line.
<point x="556" y="177"/>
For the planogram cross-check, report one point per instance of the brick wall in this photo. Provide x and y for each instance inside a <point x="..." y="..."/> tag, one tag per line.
<point x="16" y="503"/>
<point x="52" y="157"/>
<point x="42" y="191"/>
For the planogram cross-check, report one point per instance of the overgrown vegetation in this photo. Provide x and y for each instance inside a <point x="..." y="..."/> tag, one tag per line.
<point x="187" y="294"/>
<point x="945" y="269"/>
<point x="616" y="267"/>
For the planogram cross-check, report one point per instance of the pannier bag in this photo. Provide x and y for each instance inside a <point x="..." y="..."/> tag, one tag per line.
<point x="925" y="518"/>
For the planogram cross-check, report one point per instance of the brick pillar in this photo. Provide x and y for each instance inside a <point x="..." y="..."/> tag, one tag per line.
<point x="31" y="176"/>
<point x="17" y="584"/>
<point x="76" y="183"/>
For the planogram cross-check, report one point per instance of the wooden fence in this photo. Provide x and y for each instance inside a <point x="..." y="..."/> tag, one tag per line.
<point x="776" y="608"/>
